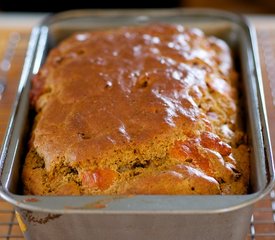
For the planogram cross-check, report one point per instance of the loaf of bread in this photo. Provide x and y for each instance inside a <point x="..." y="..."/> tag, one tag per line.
<point x="151" y="109"/>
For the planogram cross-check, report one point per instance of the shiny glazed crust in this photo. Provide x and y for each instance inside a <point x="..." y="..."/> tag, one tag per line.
<point x="137" y="110"/>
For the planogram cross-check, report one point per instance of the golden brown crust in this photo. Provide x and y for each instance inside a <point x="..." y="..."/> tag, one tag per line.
<point x="178" y="179"/>
<point x="123" y="109"/>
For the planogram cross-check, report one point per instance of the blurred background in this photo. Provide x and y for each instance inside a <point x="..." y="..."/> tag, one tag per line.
<point x="244" y="6"/>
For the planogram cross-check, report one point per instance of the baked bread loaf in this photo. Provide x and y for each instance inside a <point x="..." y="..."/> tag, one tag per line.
<point x="150" y="109"/>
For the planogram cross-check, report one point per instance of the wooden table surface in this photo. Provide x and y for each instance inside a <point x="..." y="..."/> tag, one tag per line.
<point x="263" y="221"/>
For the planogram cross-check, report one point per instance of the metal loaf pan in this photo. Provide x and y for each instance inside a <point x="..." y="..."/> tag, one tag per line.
<point x="140" y="217"/>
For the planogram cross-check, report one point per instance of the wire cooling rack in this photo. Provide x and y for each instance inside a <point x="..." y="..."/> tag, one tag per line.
<point x="262" y="226"/>
<point x="9" y="228"/>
